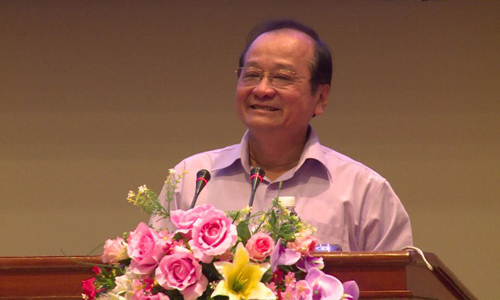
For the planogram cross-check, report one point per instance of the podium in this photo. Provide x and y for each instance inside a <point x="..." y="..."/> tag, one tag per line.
<point x="379" y="275"/>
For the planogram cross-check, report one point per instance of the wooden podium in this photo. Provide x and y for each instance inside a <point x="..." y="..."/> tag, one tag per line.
<point x="380" y="275"/>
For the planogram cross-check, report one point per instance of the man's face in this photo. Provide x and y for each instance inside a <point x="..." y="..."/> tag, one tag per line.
<point x="265" y="108"/>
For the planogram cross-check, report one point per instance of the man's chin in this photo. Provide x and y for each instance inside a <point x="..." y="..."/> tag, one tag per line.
<point x="263" y="126"/>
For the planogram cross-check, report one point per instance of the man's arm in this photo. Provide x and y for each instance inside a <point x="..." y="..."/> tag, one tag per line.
<point x="385" y="224"/>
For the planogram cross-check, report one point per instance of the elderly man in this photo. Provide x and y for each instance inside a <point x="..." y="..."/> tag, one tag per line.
<point x="284" y="79"/>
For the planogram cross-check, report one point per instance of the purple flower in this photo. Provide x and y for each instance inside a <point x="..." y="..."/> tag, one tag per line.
<point x="324" y="286"/>
<point x="303" y="290"/>
<point x="283" y="256"/>
<point x="306" y="263"/>
<point x="351" y="290"/>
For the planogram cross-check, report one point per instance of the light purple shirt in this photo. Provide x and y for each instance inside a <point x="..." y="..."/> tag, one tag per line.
<point x="349" y="204"/>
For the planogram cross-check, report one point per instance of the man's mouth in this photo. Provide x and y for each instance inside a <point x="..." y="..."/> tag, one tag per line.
<point x="267" y="108"/>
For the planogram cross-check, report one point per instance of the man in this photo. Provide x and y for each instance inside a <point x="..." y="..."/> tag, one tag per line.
<point x="284" y="80"/>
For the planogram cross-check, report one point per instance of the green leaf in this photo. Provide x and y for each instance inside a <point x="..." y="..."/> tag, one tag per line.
<point x="243" y="232"/>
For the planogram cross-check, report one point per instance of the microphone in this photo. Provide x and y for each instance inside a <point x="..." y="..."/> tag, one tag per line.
<point x="202" y="177"/>
<point x="256" y="176"/>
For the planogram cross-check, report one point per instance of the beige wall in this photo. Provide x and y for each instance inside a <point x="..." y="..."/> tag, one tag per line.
<point x="99" y="97"/>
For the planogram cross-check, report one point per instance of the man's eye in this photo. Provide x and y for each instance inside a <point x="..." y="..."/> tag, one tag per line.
<point x="251" y="75"/>
<point x="283" y="77"/>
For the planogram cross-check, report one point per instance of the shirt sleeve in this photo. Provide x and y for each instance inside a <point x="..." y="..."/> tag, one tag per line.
<point x="385" y="224"/>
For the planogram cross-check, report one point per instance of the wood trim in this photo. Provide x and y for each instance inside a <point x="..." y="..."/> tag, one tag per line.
<point x="379" y="275"/>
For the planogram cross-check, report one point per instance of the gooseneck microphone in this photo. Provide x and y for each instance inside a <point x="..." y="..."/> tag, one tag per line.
<point x="256" y="176"/>
<point x="202" y="178"/>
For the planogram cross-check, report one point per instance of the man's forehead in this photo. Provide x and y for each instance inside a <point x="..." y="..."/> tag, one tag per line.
<point x="299" y="35"/>
<point x="293" y="41"/>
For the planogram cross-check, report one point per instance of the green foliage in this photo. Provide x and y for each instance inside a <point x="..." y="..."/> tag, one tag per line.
<point x="280" y="224"/>
<point x="106" y="279"/>
<point x="148" y="200"/>
<point x="243" y="232"/>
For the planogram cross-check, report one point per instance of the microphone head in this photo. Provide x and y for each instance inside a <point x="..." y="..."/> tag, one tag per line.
<point x="202" y="177"/>
<point x="257" y="172"/>
<point x="203" y="174"/>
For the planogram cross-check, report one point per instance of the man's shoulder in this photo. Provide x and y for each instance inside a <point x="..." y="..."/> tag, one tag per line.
<point x="342" y="164"/>
<point x="212" y="157"/>
<point x="215" y="152"/>
<point x="335" y="156"/>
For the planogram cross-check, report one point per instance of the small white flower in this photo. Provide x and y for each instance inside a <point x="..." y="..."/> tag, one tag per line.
<point x="109" y="296"/>
<point x="143" y="188"/>
<point x="112" y="296"/>
<point x="124" y="289"/>
<point x="131" y="194"/>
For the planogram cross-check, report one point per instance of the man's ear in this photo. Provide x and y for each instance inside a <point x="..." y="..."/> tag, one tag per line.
<point x="321" y="98"/>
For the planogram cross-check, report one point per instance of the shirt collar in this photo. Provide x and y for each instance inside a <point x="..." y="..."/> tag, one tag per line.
<point x="238" y="154"/>
<point x="234" y="155"/>
<point x="313" y="153"/>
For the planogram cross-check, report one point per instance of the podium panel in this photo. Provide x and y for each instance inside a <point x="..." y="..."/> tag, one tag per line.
<point x="44" y="277"/>
<point x="379" y="275"/>
<point x="396" y="275"/>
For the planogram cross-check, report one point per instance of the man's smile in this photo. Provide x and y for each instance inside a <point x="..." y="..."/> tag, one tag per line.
<point x="263" y="107"/>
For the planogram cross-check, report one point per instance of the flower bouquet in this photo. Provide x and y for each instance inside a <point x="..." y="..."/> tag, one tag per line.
<point x="214" y="255"/>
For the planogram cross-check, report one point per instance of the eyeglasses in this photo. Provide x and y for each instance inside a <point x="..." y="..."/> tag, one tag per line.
<point x="252" y="76"/>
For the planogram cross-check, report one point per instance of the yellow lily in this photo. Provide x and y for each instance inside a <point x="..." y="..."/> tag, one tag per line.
<point x="242" y="278"/>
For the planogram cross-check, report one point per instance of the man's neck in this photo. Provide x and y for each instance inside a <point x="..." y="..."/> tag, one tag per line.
<point x="275" y="152"/>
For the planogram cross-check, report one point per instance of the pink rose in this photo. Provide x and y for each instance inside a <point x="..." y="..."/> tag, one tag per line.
<point x="305" y="244"/>
<point x="181" y="271"/>
<point x="184" y="220"/>
<point x="260" y="246"/>
<point x="114" y="251"/>
<point x="212" y="235"/>
<point x="146" y="248"/>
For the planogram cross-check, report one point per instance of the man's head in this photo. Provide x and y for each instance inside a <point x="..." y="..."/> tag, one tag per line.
<point x="275" y="86"/>
<point x="321" y="66"/>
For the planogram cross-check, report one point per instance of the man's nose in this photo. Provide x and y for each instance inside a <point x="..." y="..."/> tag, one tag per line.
<point x="264" y="88"/>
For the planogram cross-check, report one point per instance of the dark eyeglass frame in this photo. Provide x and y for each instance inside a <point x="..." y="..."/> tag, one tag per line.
<point x="252" y="76"/>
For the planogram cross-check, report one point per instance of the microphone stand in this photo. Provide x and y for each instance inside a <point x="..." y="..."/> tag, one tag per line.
<point x="256" y="176"/>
